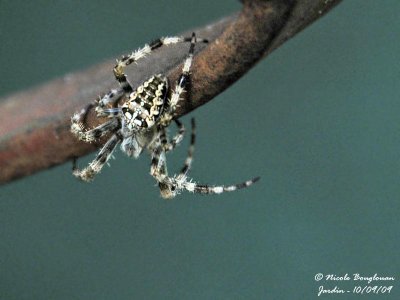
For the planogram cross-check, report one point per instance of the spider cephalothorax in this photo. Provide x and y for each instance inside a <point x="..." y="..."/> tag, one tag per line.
<point x="138" y="119"/>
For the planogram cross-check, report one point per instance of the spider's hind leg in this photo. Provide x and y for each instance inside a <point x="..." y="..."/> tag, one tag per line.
<point x="171" y="186"/>
<point x="169" y="146"/>
<point x="168" y="188"/>
<point x="181" y="180"/>
<point x="189" y="158"/>
<point x="211" y="189"/>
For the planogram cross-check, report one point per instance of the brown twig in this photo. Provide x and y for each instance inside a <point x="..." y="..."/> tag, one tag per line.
<point x="34" y="124"/>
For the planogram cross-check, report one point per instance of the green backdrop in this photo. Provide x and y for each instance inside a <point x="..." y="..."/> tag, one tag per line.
<point x="318" y="120"/>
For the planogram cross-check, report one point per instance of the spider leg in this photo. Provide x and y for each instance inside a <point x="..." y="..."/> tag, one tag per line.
<point x="168" y="188"/>
<point x="181" y="180"/>
<point x="169" y="146"/>
<point x="181" y="84"/>
<point x="171" y="186"/>
<point x="91" y="135"/>
<point x="158" y="167"/>
<point x="79" y="119"/>
<point x="163" y="139"/>
<point x="211" y="189"/>
<point x="109" y="100"/>
<point x="188" y="162"/>
<point x="142" y="52"/>
<point x="88" y="173"/>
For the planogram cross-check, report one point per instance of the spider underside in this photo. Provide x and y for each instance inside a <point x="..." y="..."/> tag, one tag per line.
<point x="138" y="119"/>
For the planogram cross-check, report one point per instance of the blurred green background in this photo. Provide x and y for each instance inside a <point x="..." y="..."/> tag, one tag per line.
<point x="318" y="120"/>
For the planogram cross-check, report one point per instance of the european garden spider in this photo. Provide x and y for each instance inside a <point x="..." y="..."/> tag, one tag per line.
<point x="138" y="119"/>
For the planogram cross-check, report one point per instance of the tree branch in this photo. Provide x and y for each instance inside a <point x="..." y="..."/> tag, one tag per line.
<point x="35" y="124"/>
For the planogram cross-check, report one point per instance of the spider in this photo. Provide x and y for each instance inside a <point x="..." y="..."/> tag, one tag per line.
<point x="138" y="119"/>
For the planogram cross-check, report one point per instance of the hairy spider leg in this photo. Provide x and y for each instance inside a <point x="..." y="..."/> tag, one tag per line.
<point x="181" y="181"/>
<point x="109" y="100"/>
<point x="91" y="135"/>
<point x="181" y="83"/>
<point x="163" y="138"/>
<point x="189" y="158"/>
<point x="211" y="189"/>
<point x="142" y="52"/>
<point x="169" y="186"/>
<point x="79" y="119"/>
<point x="88" y="173"/>
<point x="176" y="140"/>
<point x="158" y="169"/>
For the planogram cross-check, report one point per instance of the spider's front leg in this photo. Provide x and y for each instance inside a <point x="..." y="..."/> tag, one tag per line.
<point x="181" y="84"/>
<point x="135" y="56"/>
<point x="78" y="129"/>
<point x="105" y="106"/>
<point x="88" y="173"/>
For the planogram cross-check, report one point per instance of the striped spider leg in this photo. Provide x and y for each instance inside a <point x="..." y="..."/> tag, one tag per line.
<point x="171" y="186"/>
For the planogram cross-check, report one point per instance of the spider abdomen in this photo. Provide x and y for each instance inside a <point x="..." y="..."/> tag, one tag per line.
<point x="145" y="105"/>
